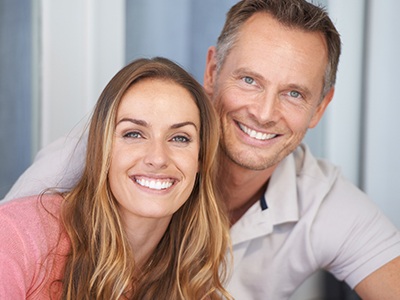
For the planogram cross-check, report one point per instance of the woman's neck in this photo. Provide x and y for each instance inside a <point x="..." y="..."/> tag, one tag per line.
<point x="144" y="237"/>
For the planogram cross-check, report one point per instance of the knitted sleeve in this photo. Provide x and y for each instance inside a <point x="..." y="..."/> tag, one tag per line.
<point x="28" y="231"/>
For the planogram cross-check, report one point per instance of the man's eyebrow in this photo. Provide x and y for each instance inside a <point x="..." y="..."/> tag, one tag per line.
<point x="247" y="72"/>
<point x="145" y="124"/>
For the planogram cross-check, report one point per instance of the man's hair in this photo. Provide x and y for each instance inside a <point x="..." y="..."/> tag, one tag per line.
<point x="298" y="14"/>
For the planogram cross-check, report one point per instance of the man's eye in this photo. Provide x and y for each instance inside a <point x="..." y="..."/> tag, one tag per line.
<point x="294" y="94"/>
<point x="248" y="80"/>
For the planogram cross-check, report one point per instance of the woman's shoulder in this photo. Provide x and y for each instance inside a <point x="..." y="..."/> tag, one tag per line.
<point x="27" y="209"/>
<point x="34" y="220"/>
<point x="30" y="230"/>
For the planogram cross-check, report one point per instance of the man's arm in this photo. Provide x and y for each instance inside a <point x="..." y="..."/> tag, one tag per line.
<point x="383" y="284"/>
<point x="58" y="165"/>
<point x="357" y="243"/>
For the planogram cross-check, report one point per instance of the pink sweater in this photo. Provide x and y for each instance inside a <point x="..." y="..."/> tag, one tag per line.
<point x="30" y="237"/>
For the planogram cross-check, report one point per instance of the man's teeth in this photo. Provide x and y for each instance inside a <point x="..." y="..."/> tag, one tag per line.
<point x="154" y="184"/>
<point x="255" y="134"/>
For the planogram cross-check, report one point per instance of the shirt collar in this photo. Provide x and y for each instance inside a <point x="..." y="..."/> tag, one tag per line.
<point x="281" y="198"/>
<point x="281" y="194"/>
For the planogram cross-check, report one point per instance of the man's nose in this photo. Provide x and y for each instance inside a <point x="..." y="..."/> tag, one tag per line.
<point x="265" y="108"/>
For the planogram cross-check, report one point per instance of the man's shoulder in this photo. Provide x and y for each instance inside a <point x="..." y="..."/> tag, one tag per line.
<point x="321" y="180"/>
<point x="303" y="173"/>
<point x="307" y="164"/>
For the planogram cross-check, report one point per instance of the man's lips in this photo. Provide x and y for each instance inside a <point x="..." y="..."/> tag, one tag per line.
<point x="256" y="134"/>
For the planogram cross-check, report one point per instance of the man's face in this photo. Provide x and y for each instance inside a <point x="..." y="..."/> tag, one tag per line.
<point x="268" y="91"/>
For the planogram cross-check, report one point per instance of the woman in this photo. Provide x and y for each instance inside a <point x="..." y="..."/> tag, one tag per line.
<point x="144" y="221"/>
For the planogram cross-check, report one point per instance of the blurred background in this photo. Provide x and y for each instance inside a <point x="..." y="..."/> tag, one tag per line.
<point x="56" y="56"/>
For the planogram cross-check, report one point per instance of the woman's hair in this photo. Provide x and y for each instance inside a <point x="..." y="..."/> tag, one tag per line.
<point x="189" y="262"/>
<point x="298" y="14"/>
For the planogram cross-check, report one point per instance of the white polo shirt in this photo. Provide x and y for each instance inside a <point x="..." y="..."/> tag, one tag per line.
<point x="315" y="220"/>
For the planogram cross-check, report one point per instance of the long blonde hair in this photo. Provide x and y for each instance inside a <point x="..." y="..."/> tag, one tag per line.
<point x="189" y="262"/>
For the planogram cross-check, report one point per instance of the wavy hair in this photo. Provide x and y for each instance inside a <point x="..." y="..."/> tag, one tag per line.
<point x="291" y="13"/>
<point x="190" y="261"/>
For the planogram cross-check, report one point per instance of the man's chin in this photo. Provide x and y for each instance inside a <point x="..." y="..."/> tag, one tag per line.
<point x="252" y="162"/>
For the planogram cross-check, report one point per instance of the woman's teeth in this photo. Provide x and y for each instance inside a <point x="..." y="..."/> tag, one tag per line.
<point x="155" y="184"/>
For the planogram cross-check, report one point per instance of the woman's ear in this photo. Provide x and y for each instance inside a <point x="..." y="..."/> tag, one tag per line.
<point x="210" y="72"/>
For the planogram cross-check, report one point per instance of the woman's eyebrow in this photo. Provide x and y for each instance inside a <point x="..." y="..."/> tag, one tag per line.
<point x="145" y="124"/>
<point x="135" y="121"/>
<point x="178" y="125"/>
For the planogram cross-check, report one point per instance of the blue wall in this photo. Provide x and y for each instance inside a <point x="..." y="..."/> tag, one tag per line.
<point x="15" y="90"/>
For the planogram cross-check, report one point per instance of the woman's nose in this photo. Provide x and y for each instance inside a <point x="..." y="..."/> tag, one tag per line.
<point x="157" y="155"/>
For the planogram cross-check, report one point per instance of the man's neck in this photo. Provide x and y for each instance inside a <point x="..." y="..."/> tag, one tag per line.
<point x="241" y="187"/>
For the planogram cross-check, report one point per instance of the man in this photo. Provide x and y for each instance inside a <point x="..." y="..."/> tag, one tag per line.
<point x="271" y="78"/>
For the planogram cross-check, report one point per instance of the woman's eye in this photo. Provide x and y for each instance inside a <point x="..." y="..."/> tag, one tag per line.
<point x="132" y="134"/>
<point x="248" y="80"/>
<point x="181" y="139"/>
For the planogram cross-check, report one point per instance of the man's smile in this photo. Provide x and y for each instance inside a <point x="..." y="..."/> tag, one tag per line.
<point x="256" y="134"/>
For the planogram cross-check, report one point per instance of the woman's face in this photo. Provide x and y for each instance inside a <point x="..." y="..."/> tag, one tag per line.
<point x="155" y="150"/>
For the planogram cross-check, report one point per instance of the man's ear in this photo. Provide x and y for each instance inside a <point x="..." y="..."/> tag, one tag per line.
<point x="321" y="108"/>
<point x="210" y="71"/>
